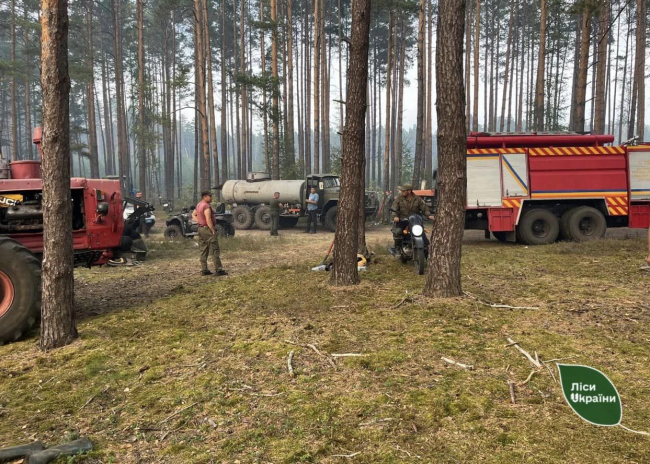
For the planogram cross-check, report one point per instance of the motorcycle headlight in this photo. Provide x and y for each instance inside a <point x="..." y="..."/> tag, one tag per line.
<point x="417" y="230"/>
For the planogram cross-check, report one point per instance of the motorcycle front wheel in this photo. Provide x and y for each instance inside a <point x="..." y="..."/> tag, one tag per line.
<point x="419" y="260"/>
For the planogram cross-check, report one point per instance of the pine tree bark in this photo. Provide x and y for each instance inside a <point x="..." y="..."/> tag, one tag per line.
<point x="224" y="97"/>
<point x="108" y="118"/>
<point x="244" y="91"/>
<point x="122" y="142"/>
<point x="477" y="39"/>
<point x="290" y="148"/>
<point x="419" y="128"/>
<point x="317" y="74"/>
<point x="14" y="111"/>
<point x="275" y="118"/>
<point x="58" y="327"/>
<point x="601" y="68"/>
<point x="142" y="149"/>
<point x="541" y="60"/>
<point x="642" y="11"/>
<point x="506" y="75"/>
<point x="93" y="150"/>
<point x="204" y="165"/>
<point x="443" y="277"/>
<point x="28" y="83"/>
<point x="346" y="238"/>
<point x="211" y="111"/>
<point x="581" y="94"/>
<point x="389" y="74"/>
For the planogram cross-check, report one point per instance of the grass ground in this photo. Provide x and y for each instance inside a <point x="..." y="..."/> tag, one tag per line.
<point x="199" y="373"/>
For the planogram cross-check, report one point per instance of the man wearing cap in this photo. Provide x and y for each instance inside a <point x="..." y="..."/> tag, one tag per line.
<point x="208" y="241"/>
<point x="406" y="204"/>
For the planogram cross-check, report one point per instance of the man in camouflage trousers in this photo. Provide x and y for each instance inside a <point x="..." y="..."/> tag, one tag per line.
<point x="406" y="204"/>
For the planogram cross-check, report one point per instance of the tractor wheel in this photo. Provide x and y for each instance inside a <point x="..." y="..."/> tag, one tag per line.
<point x="244" y="217"/>
<point x="419" y="261"/>
<point x="330" y="218"/>
<point x="538" y="227"/>
<point x="173" y="232"/>
<point x="263" y="218"/>
<point x="222" y="231"/>
<point x="140" y="246"/>
<point x="586" y="223"/>
<point x="287" y="222"/>
<point x="231" y="230"/>
<point x="20" y="290"/>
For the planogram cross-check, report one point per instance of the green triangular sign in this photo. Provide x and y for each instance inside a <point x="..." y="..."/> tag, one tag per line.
<point x="591" y="394"/>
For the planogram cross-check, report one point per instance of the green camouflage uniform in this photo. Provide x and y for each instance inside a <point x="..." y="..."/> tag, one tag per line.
<point x="274" y="207"/>
<point x="405" y="207"/>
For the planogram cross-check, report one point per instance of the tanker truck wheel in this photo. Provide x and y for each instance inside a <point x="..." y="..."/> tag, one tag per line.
<point x="330" y="218"/>
<point x="263" y="218"/>
<point x="20" y="290"/>
<point x="243" y="217"/>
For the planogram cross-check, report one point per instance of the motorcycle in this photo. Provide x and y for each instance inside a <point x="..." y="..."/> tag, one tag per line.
<point x="167" y="205"/>
<point x="415" y="244"/>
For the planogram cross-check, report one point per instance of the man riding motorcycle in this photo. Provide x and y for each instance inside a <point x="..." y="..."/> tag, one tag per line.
<point x="406" y="204"/>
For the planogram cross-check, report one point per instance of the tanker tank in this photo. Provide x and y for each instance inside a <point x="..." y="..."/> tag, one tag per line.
<point x="255" y="193"/>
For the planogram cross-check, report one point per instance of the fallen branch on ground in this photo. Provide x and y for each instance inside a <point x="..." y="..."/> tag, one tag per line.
<point x="346" y="455"/>
<point x="404" y="300"/>
<point x="347" y="355"/>
<point x="316" y="350"/>
<point x="469" y="367"/>
<point x="491" y="305"/>
<point x="289" y="366"/>
<point x="530" y="376"/>
<point x="524" y="352"/>
<point x="94" y="396"/>
<point x="511" y="387"/>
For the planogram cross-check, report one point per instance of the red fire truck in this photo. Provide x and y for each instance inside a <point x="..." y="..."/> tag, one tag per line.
<point x="538" y="187"/>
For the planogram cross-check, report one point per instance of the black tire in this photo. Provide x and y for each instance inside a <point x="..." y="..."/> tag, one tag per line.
<point x="141" y="245"/>
<point x="231" y="230"/>
<point x="330" y="218"/>
<point x="565" y="233"/>
<point x="500" y="236"/>
<point x="243" y="217"/>
<point x="222" y="231"/>
<point x="539" y="227"/>
<point x="287" y="222"/>
<point x="419" y="261"/>
<point x="587" y="223"/>
<point x="20" y="275"/>
<point x="173" y="232"/>
<point x="263" y="219"/>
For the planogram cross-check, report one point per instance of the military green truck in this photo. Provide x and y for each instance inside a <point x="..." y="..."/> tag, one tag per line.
<point x="249" y="199"/>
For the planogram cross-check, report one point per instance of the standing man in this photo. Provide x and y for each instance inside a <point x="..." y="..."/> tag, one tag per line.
<point x="312" y="208"/>
<point x="274" y="206"/>
<point x="208" y="241"/>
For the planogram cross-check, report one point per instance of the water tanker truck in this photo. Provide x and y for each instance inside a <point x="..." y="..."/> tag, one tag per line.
<point x="249" y="199"/>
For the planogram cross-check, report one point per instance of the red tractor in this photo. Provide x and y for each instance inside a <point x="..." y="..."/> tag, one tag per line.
<point x="100" y="235"/>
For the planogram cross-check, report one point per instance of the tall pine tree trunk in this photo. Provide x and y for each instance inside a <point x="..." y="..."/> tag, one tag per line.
<point x="477" y="39"/>
<point x="419" y="128"/>
<point x="14" y="111"/>
<point x="204" y="165"/>
<point x="345" y="270"/>
<point x="443" y="277"/>
<point x="582" y="71"/>
<point x="275" y="90"/>
<point x="142" y="149"/>
<point x="211" y="111"/>
<point x="601" y="67"/>
<point x="642" y="11"/>
<point x="28" y="83"/>
<point x="58" y="326"/>
<point x="389" y="73"/>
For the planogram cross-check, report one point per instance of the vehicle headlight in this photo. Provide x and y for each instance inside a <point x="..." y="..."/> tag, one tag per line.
<point x="417" y="230"/>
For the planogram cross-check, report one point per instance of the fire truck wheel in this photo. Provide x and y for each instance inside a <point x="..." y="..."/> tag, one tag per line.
<point x="263" y="218"/>
<point x="173" y="232"/>
<point x="539" y="227"/>
<point x="330" y="218"/>
<point x="587" y="223"/>
<point x="565" y="234"/>
<point x="244" y="217"/>
<point x="20" y="290"/>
